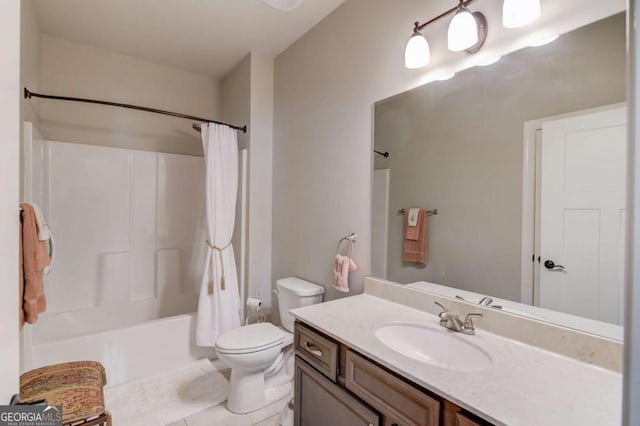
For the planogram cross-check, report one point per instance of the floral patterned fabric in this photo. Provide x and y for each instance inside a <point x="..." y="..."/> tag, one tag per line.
<point x="77" y="386"/>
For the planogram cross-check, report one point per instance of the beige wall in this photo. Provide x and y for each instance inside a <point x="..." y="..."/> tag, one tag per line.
<point x="74" y="69"/>
<point x="29" y="77"/>
<point x="9" y="182"/>
<point x="325" y="86"/>
<point x="29" y="67"/>
<point x="236" y="98"/>
<point x="247" y="98"/>
<point x="261" y="176"/>
<point x="457" y="146"/>
<point x="236" y="108"/>
<point x="29" y="59"/>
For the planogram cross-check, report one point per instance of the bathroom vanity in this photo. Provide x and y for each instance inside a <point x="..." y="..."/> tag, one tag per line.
<point x="382" y="358"/>
<point x="336" y="385"/>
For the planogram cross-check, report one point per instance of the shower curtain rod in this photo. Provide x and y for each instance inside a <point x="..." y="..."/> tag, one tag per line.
<point x="28" y="95"/>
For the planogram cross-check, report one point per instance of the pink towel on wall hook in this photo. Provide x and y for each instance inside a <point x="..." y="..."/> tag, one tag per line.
<point x="341" y="268"/>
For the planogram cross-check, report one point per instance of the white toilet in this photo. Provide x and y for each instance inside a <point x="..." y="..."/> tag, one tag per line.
<point x="256" y="349"/>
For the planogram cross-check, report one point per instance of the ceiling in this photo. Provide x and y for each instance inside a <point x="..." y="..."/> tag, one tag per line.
<point x="204" y="36"/>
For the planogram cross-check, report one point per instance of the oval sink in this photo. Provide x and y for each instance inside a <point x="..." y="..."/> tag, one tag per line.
<point x="440" y="348"/>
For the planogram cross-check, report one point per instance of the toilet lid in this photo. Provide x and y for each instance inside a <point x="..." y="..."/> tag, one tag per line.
<point x="299" y="287"/>
<point x="250" y="337"/>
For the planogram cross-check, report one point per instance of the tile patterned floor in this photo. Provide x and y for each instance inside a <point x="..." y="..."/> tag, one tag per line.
<point x="275" y="414"/>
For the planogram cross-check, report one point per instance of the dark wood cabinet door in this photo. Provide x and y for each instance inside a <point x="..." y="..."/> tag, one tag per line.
<point x="399" y="402"/>
<point x="463" y="420"/>
<point x="320" y="402"/>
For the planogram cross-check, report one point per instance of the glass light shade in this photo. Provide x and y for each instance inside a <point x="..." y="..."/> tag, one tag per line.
<point x="463" y="31"/>
<point x="518" y="13"/>
<point x="417" y="53"/>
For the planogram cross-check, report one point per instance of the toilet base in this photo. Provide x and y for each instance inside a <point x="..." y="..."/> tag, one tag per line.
<point x="248" y="392"/>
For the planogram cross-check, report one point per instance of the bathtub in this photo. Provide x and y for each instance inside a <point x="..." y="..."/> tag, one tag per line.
<point x="128" y="353"/>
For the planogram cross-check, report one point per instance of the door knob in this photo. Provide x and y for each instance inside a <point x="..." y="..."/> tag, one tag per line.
<point x="550" y="265"/>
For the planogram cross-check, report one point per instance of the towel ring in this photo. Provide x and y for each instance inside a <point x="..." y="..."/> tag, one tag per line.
<point x="351" y="238"/>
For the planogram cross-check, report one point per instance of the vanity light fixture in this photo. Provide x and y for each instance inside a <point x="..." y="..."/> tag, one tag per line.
<point x="467" y="30"/>
<point x="518" y="13"/>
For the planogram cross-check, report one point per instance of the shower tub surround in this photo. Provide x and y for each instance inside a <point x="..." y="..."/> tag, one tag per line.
<point x="129" y="235"/>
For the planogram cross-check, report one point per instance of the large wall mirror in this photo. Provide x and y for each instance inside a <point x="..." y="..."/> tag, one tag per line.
<point x="525" y="162"/>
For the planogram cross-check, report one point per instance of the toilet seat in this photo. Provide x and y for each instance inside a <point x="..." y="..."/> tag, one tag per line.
<point x="288" y="337"/>
<point x="250" y="338"/>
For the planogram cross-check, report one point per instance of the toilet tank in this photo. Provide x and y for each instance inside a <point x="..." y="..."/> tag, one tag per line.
<point x="295" y="293"/>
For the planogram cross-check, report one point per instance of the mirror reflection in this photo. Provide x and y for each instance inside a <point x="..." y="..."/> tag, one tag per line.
<point x="525" y="162"/>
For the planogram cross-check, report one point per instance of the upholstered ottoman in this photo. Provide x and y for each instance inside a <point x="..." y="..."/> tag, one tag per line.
<point x="77" y="386"/>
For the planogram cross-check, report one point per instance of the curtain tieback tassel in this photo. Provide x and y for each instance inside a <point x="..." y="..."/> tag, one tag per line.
<point x="211" y="257"/>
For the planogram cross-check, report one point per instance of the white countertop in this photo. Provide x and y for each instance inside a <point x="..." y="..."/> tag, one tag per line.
<point x="524" y="385"/>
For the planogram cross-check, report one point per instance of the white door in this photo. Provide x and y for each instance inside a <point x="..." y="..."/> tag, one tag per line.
<point x="583" y="214"/>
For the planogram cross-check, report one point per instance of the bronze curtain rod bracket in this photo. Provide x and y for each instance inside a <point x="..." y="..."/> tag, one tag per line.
<point x="198" y="128"/>
<point x="29" y="94"/>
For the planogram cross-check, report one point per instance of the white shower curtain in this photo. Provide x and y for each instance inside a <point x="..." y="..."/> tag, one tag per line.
<point x="219" y="301"/>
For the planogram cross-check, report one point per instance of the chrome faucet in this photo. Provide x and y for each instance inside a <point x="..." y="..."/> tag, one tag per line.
<point x="453" y="321"/>
<point x="485" y="301"/>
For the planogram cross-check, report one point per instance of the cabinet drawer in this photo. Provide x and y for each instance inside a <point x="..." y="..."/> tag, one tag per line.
<point x="392" y="397"/>
<point x="317" y="350"/>
<point x="319" y="402"/>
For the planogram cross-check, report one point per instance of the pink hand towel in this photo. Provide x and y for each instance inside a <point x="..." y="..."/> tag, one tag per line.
<point x="414" y="247"/>
<point x="341" y="268"/>
<point x="35" y="257"/>
<point x="413" y="232"/>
